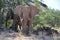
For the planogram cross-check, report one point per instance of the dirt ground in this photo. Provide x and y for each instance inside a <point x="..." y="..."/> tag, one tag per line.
<point x="11" y="35"/>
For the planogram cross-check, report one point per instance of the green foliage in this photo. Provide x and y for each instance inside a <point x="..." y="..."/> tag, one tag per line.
<point x="47" y="18"/>
<point x="0" y="4"/>
<point x="11" y="4"/>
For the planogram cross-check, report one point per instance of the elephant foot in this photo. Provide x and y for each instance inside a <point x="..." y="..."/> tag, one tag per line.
<point x="15" y="30"/>
<point x="25" y="33"/>
<point x="28" y="33"/>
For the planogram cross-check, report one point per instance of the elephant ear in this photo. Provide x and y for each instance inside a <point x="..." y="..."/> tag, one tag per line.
<point x="17" y="10"/>
<point x="34" y="10"/>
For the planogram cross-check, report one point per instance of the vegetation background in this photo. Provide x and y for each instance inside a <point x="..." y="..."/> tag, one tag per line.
<point x="45" y="18"/>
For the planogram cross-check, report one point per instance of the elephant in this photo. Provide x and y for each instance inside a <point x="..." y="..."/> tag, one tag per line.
<point x="25" y="15"/>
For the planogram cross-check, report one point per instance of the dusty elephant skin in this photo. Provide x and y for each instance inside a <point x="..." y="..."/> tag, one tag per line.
<point x="27" y="14"/>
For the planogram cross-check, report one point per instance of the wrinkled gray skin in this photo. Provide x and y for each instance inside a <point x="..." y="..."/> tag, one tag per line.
<point x="24" y="17"/>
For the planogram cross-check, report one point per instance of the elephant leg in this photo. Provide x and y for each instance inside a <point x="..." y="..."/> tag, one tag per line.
<point x="15" y="23"/>
<point x="27" y="26"/>
<point x="24" y="26"/>
<point x="15" y="26"/>
<point x="30" y="26"/>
